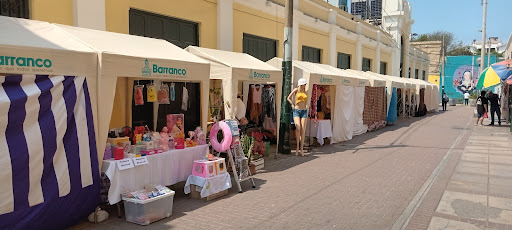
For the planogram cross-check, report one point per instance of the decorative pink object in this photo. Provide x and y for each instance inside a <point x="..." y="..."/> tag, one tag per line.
<point x="226" y="142"/>
<point x="118" y="153"/>
<point x="204" y="168"/>
<point x="164" y="139"/>
<point x="137" y="94"/>
<point x="179" y="143"/>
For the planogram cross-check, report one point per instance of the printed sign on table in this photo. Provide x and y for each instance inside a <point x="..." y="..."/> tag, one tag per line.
<point x="140" y="161"/>
<point x="125" y="164"/>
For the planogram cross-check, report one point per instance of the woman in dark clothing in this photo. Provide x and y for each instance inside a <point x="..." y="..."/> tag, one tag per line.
<point x="481" y="107"/>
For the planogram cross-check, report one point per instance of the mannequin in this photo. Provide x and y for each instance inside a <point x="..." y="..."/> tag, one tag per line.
<point x="300" y="113"/>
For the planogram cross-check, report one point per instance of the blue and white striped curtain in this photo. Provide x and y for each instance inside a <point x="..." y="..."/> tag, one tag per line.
<point x="49" y="177"/>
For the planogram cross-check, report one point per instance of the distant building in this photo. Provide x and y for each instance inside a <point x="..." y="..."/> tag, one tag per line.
<point x="508" y="48"/>
<point x="343" y="5"/>
<point x="367" y="9"/>
<point x="493" y="43"/>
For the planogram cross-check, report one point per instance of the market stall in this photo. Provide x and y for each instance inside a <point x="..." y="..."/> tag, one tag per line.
<point x="250" y="88"/>
<point x="374" y="114"/>
<point x="125" y="59"/>
<point x="49" y="172"/>
<point x="392" y="86"/>
<point x="360" y="83"/>
<point x="139" y="153"/>
<point x="320" y="87"/>
<point x="421" y="86"/>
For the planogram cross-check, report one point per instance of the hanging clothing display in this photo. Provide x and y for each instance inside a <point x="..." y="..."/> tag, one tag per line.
<point x="255" y="108"/>
<point x="269" y="103"/>
<point x="184" y="101"/>
<point x="374" y="114"/>
<point x="505" y="93"/>
<point x="314" y="99"/>
<point x="173" y="92"/>
<point x="393" y="107"/>
<point x="359" y="126"/>
<point x="343" y="125"/>
<point x="399" y="103"/>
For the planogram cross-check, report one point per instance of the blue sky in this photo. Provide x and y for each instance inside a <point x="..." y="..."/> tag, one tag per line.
<point x="461" y="17"/>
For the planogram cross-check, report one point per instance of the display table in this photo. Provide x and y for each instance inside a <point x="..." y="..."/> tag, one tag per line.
<point x="165" y="168"/>
<point x="211" y="185"/>
<point x="321" y="129"/>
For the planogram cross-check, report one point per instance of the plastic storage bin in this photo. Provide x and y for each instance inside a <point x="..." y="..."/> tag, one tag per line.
<point x="144" y="212"/>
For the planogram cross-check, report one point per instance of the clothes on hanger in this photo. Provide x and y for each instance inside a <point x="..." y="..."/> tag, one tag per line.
<point x="256" y="107"/>
<point x="314" y="100"/>
<point x="269" y="104"/>
<point x="184" y="102"/>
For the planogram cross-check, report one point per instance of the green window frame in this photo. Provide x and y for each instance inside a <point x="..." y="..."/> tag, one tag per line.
<point x="367" y="64"/>
<point x="343" y="61"/>
<point x="383" y="68"/>
<point x="261" y="48"/>
<point x="311" y="54"/>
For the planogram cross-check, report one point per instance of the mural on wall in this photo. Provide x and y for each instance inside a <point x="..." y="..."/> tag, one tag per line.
<point x="465" y="79"/>
<point x="462" y="73"/>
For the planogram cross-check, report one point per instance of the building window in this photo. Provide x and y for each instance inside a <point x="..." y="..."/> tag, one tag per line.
<point x="423" y="75"/>
<point x="409" y="72"/>
<point x="310" y="54"/>
<point x="176" y="31"/>
<point x="259" y="47"/>
<point x="416" y="73"/>
<point x="14" y="8"/>
<point x="343" y="61"/>
<point x="383" y="68"/>
<point x="367" y="64"/>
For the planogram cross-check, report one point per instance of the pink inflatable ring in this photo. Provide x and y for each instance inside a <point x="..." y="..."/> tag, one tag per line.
<point x="226" y="142"/>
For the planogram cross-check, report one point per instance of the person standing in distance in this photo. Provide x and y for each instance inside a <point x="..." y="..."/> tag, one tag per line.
<point x="445" y="101"/>
<point x="495" y="107"/>
<point x="481" y="107"/>
<point x="466" y="98"/>
<point x="300" y="113"/>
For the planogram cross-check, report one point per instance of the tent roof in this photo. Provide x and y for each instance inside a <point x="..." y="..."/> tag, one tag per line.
<point x="130" y="45"/>
<point x="33" y="42"/>
<point x="230" y="59"/>
<point x="374" y="80"/>
<point x="393" y="82"/>
<point x="17" y="32"/>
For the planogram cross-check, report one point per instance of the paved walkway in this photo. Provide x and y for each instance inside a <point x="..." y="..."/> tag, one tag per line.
<point x="479" y="192"/>
<point x="389" y="179"/>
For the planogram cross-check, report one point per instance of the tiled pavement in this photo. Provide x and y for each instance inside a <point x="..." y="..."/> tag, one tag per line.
<point x="366" y="183"/>
<point x="479" y="193"/>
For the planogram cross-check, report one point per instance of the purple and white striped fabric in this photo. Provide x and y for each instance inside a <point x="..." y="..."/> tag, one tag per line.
<point x="49" y="177"/>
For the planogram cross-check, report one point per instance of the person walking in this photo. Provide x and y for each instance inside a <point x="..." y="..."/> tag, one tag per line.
<point x="466" y="98"/>
<point x="495" y="107"/>
<point x="481" y="108"/>
<point x="445" y="101"/>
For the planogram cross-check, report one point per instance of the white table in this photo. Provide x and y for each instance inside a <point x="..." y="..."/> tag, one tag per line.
<point x="211" y="185"/>
<point x="165" y="168"/>
<point x="321" y="129"/>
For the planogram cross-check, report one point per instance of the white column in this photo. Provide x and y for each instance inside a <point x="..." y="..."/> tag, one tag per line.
<point x="406" y="58"/>
<point x="225" y="25"/>
<point x="89" y="14"/>
<point x="359" y="48"/>
<point x="376" y="65"/>
<point x="413" y="67"/>
<point x="332" y="39"/>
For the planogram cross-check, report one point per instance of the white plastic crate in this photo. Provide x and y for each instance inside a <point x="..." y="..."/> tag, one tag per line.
<point x="144" y="212"/>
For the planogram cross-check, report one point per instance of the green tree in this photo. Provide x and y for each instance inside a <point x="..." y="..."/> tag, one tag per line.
<point x="437" y="36"/>
<point x="459" y="49"/>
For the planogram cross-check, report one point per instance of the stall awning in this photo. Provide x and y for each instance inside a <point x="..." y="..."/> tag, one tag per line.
<point x="314" y="73"/>
<point x="35" y="47"/>
<point x="225" y="65"/>
<point x="123" y="55"/>
<point x="391" y="81"/>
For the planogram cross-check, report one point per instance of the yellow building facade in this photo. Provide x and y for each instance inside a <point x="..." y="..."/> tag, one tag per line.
<point x="321" y="32"/>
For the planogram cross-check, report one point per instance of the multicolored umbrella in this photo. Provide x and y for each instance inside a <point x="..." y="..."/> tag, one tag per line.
<point x="495" y="74"/>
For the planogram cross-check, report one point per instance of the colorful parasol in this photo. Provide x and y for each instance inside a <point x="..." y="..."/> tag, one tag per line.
<point x="496" y="73"/>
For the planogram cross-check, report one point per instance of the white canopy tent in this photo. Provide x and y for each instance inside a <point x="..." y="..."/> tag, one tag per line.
<point x="122" y="55"/>
<point x="231" y="68"/>
<point x="38" y="118"/>
<point x="390" y="84"/>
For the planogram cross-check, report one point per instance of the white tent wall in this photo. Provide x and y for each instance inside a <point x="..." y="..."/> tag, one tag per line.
<point x="122" y="55"/>
<point x="35" y="40"/>
<point x="359" y="126"/>
<point x="343" y="124"/>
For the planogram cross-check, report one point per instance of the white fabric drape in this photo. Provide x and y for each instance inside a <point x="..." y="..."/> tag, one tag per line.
<point x="359" y="126"/>
<point x="343" y="126"/>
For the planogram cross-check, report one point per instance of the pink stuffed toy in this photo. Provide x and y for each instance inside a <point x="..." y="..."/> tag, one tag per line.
<point x="164" y="139"/>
